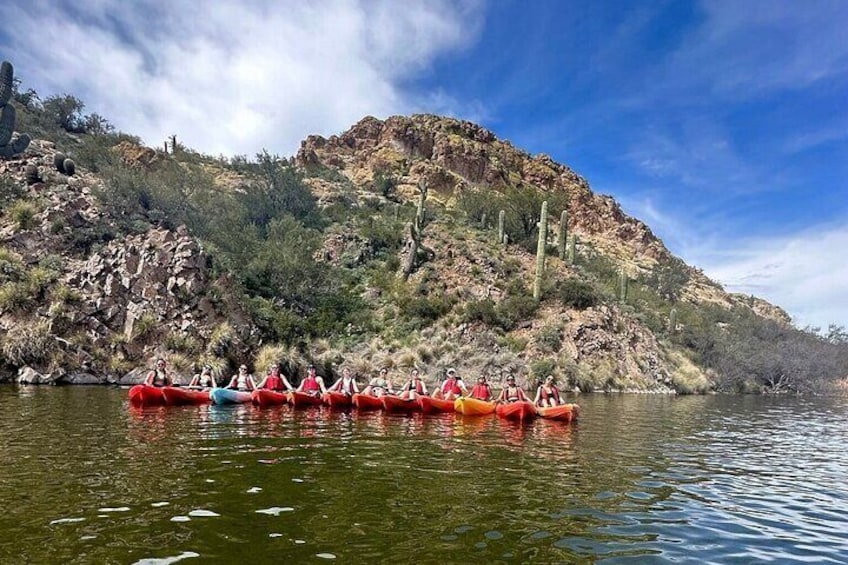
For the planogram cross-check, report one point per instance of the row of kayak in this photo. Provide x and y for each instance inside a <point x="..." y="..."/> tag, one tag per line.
<point x="145" y="395"/>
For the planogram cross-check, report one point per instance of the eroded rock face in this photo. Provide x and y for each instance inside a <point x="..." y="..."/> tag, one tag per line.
<point x="159" y="273"/>
<point x="451" y="155"/>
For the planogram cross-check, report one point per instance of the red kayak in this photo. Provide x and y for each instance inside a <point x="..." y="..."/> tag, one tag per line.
<point x="563" y="412"/>
<point x="430" y="405"/>
<point x="303" y="400"/>
<point x="266" y="397"/>
<point x="366" y="402"/>
<point x="397" y="404"/>
<point x="336" y="399"/>
<point x="146" y="395"/>
<point x="521" y="411"/>
<point x="175" y="396"/>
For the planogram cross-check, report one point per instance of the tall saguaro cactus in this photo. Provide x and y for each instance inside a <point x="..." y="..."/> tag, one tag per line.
<point x="563" y="231"/>
<point x="415" y="228"/>
<point x="540" y="251"/>
<point x="8" y="147"/>
<point x="672" y="320"/>
<point x="501" y="218"/>
<point x="572" y="249"/>
<point x="623" y="285"/>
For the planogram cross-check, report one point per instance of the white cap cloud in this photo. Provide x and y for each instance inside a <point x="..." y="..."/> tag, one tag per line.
<point x="235" y="77"/>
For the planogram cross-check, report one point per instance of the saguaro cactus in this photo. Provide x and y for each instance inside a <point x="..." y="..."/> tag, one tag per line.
<point x="415" y="228"/>
<point x="572" y="248"/>
<point x="672" y="320"/>
<point x="563" y="231"/>
<point x="9" y="147"/>
<point x="540" y="251"/>
<point x="501" y="218"/>
<point x="623" y="285"/>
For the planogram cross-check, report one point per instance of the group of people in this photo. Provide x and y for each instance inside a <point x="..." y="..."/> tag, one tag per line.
<point x="450" y="388"/>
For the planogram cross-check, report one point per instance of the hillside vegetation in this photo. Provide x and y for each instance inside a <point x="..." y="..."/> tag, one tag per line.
<point x="406" y="242"/>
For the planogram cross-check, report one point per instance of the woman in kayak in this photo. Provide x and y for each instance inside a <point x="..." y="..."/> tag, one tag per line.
<point x="159" y="376"/>
<point x="204" y="379"/>
<point x="379" y="386"/>
<point x="242" y="381"/>
<point x="346" y="384"/>
<point x="275" y="380"/>
<point x="482" y="390"/>
<point x="511" y="392"/>
<point x="414" y="388"/>
<point x="452" y="387"/>
<point x="547" y="393"/>
<point x="313" y="385"/>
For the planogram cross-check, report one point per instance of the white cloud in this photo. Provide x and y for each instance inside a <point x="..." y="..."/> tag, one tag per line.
<point x="804" y="273"/>
<point x="236" y="77"/>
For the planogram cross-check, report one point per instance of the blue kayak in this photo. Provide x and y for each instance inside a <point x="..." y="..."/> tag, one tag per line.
<point x="229" y="396"/>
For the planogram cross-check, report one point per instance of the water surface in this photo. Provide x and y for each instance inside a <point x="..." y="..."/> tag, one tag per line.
<point x="84" y="478"/>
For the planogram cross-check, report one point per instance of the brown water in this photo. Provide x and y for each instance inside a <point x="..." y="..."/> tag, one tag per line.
<point x="640" y="479"/>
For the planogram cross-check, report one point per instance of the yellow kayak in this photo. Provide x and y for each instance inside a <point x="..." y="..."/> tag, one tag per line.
<point x="473" y="407"/>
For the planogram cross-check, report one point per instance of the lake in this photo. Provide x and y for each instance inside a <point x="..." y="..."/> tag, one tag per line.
<point x="85" y="478"/>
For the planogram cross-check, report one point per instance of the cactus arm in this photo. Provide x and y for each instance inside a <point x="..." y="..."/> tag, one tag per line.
<point x="6" y="83"/>
<point x="7" y="124"/>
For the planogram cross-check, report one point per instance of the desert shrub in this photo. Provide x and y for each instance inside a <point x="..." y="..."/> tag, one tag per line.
<point x="23" y="213"/>
<point x="10" y="191"/>
<point x="668" y="278"/>
<point x="575" y="293"/>
<point x="540" y="368"/>
<point x="549" y="338"/>
<point x="145" y="326"/>
<point x="505" y="315"/>
<point x="182" y="342"/>
<point x="31" y="344"/>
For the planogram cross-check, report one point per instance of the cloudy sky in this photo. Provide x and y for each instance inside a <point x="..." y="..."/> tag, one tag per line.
<point x="723" y="125"/>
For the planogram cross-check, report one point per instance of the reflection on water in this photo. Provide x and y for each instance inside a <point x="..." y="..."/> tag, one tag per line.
<point x="639" y="479"/>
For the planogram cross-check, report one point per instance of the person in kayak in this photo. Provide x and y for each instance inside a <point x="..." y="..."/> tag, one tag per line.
<point x="159" y="376"/>
<point x="547" y="393"/>
<point x="482" y="390"/>
<point x="275" y="380"/>
<point x="452" y="387"/>
<point x="243" y="380"/>
<point x="204" y="379"/>
<point x="312" y="384"/>
<point x="346" y="384"/>
<point x="414" y="388"/>
<point x="380" y="385"/>
<point x="511" y="392"/>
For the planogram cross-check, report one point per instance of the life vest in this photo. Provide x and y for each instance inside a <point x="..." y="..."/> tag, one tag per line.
<point x="516" y="395"/>
<point x="243" y="382"/>
<point x="346" y="385"/>
<point x="546" y="395"/>
<point x="205" y="380"/>
<point x="481" y="392"/>
<point x="274" y="382"/>
<point x="310" y="384"/>
<point x="451" y="385"/>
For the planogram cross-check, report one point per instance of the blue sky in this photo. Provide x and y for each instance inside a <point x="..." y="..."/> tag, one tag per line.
<point x="722" y="125"/>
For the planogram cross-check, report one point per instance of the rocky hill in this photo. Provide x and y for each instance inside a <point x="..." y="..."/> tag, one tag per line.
<point x="92" y="291"/>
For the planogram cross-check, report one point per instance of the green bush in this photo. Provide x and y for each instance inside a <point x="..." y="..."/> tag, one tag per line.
<point x="549" y="338"/>
<point x="23" y="213"/>
<point x="575" y="293"/>
<point x="31" y="344"/>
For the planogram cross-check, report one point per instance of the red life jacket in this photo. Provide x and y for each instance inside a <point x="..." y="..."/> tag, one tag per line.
<point x="481" y="392"/>
<point x="348" y="389"/>
<point x="519" y="394"/>
<point x="546" y="395"/>
<point x="274" y="382"/>
<point x="451" y="385"/>
<point x="310" y="384"/>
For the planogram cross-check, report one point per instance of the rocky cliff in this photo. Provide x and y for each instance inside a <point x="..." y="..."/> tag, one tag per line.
<point x="99" y="304"/>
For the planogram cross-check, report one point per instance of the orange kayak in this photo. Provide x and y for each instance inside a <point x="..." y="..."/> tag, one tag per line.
<point x="468" y="406"/>
<point x="396" y="404"/>
<point x="563" y="412"/>
<point x="430" y="405"/>
<point x="302" y="400"/>
<point x="146" y="395"/>
<point x="366" y="402"/>
<point x="336" y="399"/>
<point x="266" y="397"/>
<point x="182" y="396"/>
<point x="521" y="410"/>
